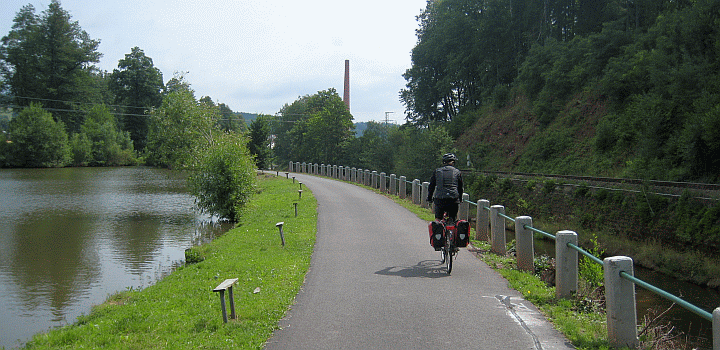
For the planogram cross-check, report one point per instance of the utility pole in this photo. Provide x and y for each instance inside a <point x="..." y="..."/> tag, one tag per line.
<point x="387" y="117"/>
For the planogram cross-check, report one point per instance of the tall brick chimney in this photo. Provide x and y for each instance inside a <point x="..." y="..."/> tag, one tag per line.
<point x="346" y="92"/>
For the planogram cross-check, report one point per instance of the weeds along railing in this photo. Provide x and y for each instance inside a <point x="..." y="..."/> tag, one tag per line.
<point x="490" y="226"/>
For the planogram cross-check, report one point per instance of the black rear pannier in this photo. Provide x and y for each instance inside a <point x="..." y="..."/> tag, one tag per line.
<point x="437" y="234"/>
<point x="462" y="235"/>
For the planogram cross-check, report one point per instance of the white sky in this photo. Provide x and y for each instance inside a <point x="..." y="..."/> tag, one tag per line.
<point x="257" y="55"/>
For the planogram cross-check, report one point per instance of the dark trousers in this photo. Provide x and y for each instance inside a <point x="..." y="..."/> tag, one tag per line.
<point x="445" y="205"/>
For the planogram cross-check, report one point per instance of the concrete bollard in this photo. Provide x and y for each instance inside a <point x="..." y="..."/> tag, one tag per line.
<point x="424" y="194"/>
<point x="402" y="187"/>
<point x="383" y="182"/>
<point x="290" y="167"/>
<point x="416" y="191"/>
<point x="297" y="167"/>
<point x="374" y="183"/>
<point x="464" y="209"/>
<point x="393" y="185"/>
<point x="620" y="303"/>
<point x="497" y="230"/>
<point x="368" y="179"/>
<point x="482" y="224"/>
<point x="525" y="248"/>
<point x="566" y="264"/>
<point x="304" y="167"/>
<point x="716" y="328"/>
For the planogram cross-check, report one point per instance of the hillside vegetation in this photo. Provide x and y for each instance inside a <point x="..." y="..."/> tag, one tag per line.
<point x="624" y="88"/>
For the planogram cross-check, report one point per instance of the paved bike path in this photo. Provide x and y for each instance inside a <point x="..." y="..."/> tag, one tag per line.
<point x="375" y="283"/>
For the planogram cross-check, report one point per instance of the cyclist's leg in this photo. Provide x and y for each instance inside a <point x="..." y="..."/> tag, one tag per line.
<point x="452" y="210"/>
<point x="439" y="209"/>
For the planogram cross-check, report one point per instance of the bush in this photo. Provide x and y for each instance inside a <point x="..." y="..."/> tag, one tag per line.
<point x="37" y="140"/>
<point x="224" y="179"/>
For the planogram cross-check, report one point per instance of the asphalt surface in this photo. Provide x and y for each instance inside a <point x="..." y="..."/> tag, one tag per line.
<point x="375" y="283"/>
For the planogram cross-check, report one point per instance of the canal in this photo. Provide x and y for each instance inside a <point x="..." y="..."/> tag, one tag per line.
<point x="71" y="237"/>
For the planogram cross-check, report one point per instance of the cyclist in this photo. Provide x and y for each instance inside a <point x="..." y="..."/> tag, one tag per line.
<point x="446" y="188"/>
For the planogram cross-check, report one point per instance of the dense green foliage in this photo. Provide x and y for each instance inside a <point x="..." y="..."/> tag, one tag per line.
<point x="260" y="139"/>
<point x="38" y="140"/>
<point x="182" y="312"/>
<point x="179" y="130"/>
<point x="49" y="58"/>
<point x="224" y="179"/>
<point x="609" y="87"/>
<point x="137" y="85"/>
<point x="315" y="128"/>
<point x="100" y="141"/>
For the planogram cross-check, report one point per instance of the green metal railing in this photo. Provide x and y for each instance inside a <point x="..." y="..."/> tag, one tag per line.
<point x="690" y="307"/>
<point x="662" y="293"/>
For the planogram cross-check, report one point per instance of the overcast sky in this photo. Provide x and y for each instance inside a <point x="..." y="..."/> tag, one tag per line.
<point x="257" y="55"/>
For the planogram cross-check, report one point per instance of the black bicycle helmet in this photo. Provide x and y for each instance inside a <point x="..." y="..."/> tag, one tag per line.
<point x="448" y="157"/>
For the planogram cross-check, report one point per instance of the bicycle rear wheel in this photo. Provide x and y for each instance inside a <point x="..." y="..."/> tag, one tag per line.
<point x="448" y="251"/>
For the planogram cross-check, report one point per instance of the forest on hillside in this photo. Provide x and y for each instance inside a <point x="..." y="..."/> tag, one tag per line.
<point x="625" y="88"/>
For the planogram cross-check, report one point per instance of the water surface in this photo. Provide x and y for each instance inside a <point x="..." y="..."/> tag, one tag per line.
<point x="71" y="237"/>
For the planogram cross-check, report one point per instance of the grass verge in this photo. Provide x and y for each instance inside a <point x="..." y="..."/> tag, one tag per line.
<point x="182" y="312"/>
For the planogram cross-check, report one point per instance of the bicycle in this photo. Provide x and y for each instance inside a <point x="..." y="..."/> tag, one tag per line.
<point x="449" y="249"/>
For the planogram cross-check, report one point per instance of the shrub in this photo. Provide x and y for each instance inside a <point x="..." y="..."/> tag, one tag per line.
<point x="37" y="140"/>
<point x="224" y="179"/>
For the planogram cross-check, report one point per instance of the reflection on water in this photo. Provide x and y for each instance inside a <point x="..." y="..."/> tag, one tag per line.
<point x="71" y="237"/>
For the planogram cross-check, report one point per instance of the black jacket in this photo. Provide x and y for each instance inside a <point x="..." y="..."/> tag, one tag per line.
<point x="446" y="183"/>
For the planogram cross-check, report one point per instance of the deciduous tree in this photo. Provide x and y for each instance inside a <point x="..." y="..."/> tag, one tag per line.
<point x="49" y="58"/>
<point x="137" y="85"/>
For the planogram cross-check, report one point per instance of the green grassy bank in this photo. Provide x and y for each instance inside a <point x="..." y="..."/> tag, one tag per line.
<point x="182" y="312"/>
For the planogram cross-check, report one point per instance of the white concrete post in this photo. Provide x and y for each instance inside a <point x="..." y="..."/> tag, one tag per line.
<point x="290" y="167"/>
<point x="297" y="167"/>
<point x="566" y="264"/>
<point x="716" y="328"/>
<point x="464" y="209"/>
<point x="424" y="194"/>
<point x="383" y="182"/>
<point x="393" y="184"/>
<point x="482" y="224"/>
<point x="620" y="303"/>
<point x="525" y="248"/>
<point x="367" y="177"/>
<point x="416" y="192"/>
<point x="341" y="172"/>
<point x="497" y="230"/>
<point x="402" y="191"/>
<point x="374" y="183"/>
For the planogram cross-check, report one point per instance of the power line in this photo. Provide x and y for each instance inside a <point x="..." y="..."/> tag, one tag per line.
<point x="74" y="110"/>
<point x="74" y="102"/>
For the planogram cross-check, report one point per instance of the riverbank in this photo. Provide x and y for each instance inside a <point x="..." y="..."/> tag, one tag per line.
<point x="182" y="312"/>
